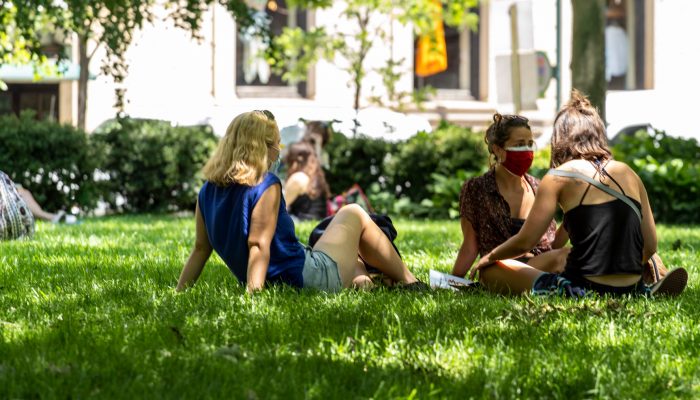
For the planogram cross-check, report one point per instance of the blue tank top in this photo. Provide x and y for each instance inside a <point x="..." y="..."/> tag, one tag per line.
<point x="227" y="213"/>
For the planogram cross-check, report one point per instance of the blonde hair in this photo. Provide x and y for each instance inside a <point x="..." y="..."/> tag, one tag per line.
<point x="579" y="133"/>
<point x="241" y="156"/>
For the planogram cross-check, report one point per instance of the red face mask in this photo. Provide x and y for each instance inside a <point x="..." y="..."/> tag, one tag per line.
<point x="518" y="159"/>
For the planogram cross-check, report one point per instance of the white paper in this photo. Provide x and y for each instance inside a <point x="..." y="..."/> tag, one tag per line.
<point x="441" y="280"/>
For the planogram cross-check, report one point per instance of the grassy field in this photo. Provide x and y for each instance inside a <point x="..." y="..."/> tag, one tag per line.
<point x="89" y="311"/>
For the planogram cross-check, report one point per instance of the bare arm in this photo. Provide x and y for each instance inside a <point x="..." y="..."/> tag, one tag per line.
<point x="535" y="226"/>
<point x="295" y="186"/>
<point x="263" y="223"/>
<point x="648" y="224"/>
<point x="560" y="238"/>
<point x="468" y="250"/>
<point x="198" y="257"/>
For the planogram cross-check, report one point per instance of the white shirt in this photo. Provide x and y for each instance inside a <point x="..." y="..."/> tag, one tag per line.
<point x="616" y="52"/>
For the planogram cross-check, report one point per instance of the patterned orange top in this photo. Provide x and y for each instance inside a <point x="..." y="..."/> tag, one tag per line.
<point x="489" y="213"/>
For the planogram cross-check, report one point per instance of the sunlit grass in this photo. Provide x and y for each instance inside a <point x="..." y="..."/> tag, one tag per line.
<point x="89" y="310"/>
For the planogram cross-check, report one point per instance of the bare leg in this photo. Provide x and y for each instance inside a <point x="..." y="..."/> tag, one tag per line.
<point x="34" y="207"/>
<point x="509" y="277"/>
<point x="552" y="261"/>
<point x="352" y="231"/>
<point x="362" y="279"/>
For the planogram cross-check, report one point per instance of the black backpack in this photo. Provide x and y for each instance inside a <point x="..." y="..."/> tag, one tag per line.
<point x="383" y="222"/>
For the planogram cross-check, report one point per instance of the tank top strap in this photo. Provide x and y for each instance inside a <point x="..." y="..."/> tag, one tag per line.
<point x="587" y="188"/>
<point x="611" y="178"/>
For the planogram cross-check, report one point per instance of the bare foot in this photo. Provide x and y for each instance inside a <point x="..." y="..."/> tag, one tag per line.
<point x="363" y="282"/>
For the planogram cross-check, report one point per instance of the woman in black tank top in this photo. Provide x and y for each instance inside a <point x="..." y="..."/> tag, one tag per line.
<point x="606" y="214"/>
<point x="306" y="190"/>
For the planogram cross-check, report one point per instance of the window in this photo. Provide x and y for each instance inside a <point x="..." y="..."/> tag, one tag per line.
<point x="625" y="45"/>
<point x="42" y="98"/>
<point x="461" y="79"/>
<point x="253" y="75"/>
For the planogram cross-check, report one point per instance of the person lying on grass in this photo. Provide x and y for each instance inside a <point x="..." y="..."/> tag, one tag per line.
<point x="607" y="217"/>
<point x="494" y="206"/>
<point x="241" y="214"/>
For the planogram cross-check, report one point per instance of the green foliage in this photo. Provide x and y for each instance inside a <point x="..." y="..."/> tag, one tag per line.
<point x="445" y="151"/>
<point x="90" y="311"/>
<point x="294" y="51"/>
<point x="55" y="162"/>
<point x="670" y="170"/>
<point x="359" y="160"/>
<point x="102" y="23"/>
<point x="540" y="165"/>
<point x="421" y="177"/>
<point x="152" y="165"/>
<point x="399" y="100"/>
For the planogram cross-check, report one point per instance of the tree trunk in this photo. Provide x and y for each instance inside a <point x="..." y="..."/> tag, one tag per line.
<point x="357" y="69"/>
<point x="588" y="51"/>
<point x="84" y="62"/>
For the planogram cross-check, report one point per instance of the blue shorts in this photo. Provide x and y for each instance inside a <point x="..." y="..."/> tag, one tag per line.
<point x="321" y="272"/>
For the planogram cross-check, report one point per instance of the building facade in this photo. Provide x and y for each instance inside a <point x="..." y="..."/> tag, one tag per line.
<point x="651" y="63"/>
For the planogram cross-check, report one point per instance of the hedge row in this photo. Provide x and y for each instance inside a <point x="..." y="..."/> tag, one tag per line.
<point x="132" y="165"/>
<point x="152" y="166"/>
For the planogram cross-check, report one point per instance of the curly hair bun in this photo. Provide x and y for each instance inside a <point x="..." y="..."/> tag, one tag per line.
<point x="497" y="118"/>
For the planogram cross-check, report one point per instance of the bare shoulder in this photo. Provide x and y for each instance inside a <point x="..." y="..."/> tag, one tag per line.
<point x="298" y="178"/>
<point x="619" y="167"/>
<point x="580" y="166"/>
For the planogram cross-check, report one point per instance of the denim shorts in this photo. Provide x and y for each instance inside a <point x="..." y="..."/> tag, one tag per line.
<point x="321" y="272"/>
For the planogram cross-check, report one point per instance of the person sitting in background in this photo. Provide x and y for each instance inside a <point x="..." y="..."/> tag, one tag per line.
<point x="318" y="134"/>
<point x="38" y="211"/>
<point x="241" y="214"/>
<point x="494" y="206"/>
<point x="16" y="220"/>
<point x="306" y="189"/>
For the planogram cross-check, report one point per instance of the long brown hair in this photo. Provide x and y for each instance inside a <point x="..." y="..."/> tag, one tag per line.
<point x="579" y="133"/>
<point x="302" y="157"/>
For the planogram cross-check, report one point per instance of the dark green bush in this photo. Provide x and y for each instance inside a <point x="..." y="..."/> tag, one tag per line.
<point x="359" y="160"/>
<point x="53" y="161"/>
<point x="420" y="177"/>
<point x="445" y="151"/>
<point x="670" y="170"/>
<point x="152" y="166"/>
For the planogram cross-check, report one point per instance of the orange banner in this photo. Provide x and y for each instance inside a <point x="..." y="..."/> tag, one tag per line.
<point x="431" y="56"/>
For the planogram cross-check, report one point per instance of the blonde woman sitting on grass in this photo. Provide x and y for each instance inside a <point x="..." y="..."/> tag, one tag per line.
<point x="241" y="214"/>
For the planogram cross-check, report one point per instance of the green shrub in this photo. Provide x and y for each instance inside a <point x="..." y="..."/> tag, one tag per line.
<point x="360" y="160"/>
<point x="55" y="162"/>
<point x="420" y="177"/>
<point x="152" y="166"/>
<point x="445" y="151"/>
<point x="540" y="165"/>
<point x="670" y="170"/>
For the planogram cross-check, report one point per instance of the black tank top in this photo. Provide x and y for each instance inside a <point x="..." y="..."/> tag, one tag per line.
<point x="606" y="238"/>
<point x="515" y="225"/>
<point x="305" y="208"/>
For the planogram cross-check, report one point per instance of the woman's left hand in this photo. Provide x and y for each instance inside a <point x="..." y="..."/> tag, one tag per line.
<point x="485" y="261"/>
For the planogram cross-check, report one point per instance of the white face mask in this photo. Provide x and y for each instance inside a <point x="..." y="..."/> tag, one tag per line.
<point x="521" y="148"/>
<point x="275" y="166"/>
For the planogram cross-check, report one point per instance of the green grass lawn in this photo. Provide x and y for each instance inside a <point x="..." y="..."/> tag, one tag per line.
<point x="89" y="310"/>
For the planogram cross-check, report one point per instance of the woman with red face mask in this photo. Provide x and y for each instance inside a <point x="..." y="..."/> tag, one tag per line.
<point x="607" y="217"/>
<point x="494" y="206"/>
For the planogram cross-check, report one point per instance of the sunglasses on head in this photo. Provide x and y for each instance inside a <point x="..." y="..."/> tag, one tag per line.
<point x="514" y="118"/>
<point x="268" y="114"/>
